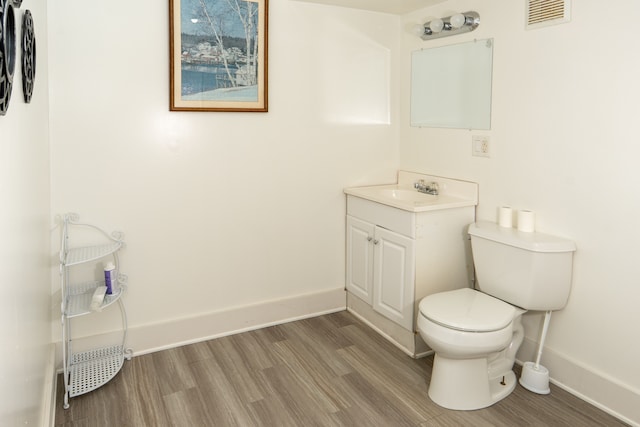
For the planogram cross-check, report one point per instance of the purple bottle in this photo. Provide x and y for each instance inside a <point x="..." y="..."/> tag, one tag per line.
<point x="110" y="279"/>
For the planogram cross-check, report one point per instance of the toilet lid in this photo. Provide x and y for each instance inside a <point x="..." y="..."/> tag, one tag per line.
<point x="467" y="310"/>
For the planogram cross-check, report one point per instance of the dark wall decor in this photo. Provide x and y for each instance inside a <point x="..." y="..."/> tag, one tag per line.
<point x="28" y="55"/>
<point x="7" y="53"/>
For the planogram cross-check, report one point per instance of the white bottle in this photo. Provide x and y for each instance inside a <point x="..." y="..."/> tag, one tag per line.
<point x="110" y="278"/>
<point x="98" y="298"/>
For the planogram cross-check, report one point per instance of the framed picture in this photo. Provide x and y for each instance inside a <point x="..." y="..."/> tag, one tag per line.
<point x="218" y="55"/>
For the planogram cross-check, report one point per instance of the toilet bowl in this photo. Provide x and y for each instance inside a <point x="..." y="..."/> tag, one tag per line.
<point x="475" y="338"/>
<point x="476" y="333"/>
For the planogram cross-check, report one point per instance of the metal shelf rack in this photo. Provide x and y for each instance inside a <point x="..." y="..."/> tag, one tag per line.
<point x="85" y="371"/>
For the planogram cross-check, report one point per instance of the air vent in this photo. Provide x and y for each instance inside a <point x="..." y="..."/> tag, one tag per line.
<point x="542" y="13"/>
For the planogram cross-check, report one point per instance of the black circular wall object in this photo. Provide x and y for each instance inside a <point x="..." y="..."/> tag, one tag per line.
<point x="7" y="53"/>
<point x="9" y="39"/>
<point x="28" y="55"/>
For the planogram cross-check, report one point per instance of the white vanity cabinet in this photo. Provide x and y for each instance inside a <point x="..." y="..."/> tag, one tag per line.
<point x="395" y="257"/>
<point x="381" y="269"/>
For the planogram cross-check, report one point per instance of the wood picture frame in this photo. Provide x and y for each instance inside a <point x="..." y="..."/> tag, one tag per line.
<point x="218" y="55"/>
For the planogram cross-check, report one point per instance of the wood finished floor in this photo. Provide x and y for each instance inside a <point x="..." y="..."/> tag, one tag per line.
<point x="330" y="370"/>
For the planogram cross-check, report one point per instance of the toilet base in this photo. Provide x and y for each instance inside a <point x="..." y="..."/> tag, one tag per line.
<point x="464" y="384"/>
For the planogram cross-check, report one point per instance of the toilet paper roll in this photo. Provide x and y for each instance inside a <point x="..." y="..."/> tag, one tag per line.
<point x="505" y="217"/>
<point x="526" y="221"/>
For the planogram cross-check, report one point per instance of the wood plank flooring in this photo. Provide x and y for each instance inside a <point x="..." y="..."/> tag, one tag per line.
<point x="330" y="370"/>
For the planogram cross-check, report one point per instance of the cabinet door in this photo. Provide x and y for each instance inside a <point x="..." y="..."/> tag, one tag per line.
<point x="360" y="258"/>
<point x="394" y="276"/>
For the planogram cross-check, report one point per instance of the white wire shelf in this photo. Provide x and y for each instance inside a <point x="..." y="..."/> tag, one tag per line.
<point x="91" y="369"/>
<point x="79" y="298"/>
<point x="87" y="370"/>
<point x="90" y="253"/>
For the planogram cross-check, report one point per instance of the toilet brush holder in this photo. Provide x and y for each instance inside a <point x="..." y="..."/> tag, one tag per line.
<point x="535" y="378"/>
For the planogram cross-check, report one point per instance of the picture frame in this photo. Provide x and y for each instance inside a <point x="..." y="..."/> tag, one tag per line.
<point x="218" y="55"/>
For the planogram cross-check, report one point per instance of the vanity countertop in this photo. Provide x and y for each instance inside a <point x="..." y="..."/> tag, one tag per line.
<point x="402" y="195"/>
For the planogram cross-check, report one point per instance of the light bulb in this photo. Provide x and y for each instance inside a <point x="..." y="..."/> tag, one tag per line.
<point x="418" y="29"/>
<point x="436" y="25"/>
<point x="457" y="20"/>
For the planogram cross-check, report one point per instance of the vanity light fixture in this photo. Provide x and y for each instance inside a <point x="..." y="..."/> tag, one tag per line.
<point x="449" y="26"/>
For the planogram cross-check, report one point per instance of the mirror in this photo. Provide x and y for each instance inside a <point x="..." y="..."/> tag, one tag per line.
<point x="451" y="86"/>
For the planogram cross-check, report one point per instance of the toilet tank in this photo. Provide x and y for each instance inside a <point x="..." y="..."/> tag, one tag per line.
<point x="529" y="270"/>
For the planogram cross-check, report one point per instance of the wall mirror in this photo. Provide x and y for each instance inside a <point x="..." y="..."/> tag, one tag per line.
<point x="451" y="86"/>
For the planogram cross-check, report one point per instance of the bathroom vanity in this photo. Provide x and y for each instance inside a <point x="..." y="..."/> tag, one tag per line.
<point x="403" y="245"/>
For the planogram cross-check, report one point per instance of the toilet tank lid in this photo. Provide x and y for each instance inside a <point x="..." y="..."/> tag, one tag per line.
<point x="468" y="310"/>
<point x="534" y="242"/>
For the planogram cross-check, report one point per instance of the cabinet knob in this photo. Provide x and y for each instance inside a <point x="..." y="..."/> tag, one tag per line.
<point x="369" y="238"/>
<point x="375" y="242"/>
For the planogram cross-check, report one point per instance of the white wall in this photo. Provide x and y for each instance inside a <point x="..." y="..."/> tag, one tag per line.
<point x="220" y="210"/>
<point x="24" y="226"/>
<point x="226" y="210"/>
<point x="563" y="143"/>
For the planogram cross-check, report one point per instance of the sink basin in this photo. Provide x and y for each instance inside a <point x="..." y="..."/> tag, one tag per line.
<point x="407" y="195"/>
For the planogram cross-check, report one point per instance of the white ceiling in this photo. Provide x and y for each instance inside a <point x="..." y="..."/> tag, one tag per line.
<point x="398" y="7"/>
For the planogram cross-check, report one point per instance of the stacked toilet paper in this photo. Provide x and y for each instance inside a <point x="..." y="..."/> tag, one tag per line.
<point x="526" y="219"/>
<point x="505" y="216"/>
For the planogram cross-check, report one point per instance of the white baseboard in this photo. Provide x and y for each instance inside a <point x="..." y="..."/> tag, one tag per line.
<point x="143" y="339"/>
<point x="600" y="390"/>
<point x="48" y="406"/>
<point x="160" y="336"/>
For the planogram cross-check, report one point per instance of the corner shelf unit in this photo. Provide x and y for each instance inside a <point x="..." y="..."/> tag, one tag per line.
<point x="85" y="371"/>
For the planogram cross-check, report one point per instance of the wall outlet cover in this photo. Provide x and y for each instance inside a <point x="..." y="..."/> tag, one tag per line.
<point x="480" y="145"/>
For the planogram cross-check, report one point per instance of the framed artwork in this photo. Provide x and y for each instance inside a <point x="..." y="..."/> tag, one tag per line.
<point x="218" y="55"/>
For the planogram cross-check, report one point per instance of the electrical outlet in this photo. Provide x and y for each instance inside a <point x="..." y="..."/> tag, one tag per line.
<point x="480" y="145"/>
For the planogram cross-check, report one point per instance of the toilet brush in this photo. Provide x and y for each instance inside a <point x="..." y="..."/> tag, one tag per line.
<point x="535" y="377"/>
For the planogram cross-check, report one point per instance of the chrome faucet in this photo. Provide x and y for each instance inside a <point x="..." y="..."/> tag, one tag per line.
<point x="430" y="188"/>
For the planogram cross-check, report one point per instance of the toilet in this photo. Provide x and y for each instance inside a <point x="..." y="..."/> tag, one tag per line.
<point x="476" y="333"/>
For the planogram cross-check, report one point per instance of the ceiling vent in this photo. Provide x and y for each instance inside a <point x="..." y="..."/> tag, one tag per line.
<point x="542" y="13"/>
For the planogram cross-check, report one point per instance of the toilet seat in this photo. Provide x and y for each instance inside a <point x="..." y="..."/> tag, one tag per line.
<point x="468" y="310"/>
